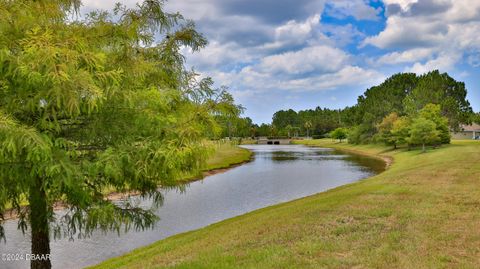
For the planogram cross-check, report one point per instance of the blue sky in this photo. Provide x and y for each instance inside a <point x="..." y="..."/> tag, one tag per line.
<point x="280" y="54"/>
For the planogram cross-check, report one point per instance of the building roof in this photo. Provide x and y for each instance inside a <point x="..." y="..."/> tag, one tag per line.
<point x="470" y="128"/>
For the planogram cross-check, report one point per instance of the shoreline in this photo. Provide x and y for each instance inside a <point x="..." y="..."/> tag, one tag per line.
<point x="387" y="212"/>
<point x="9" y="214"/>
<point x="388" y="160"/>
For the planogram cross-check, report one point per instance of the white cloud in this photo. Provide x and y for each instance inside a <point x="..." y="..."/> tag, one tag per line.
<point x="347" y="76"/>
<point x="342" y="35"/>
<point x="258" y="78"/>
<point x="402" y="3"/>
<point x="295" y="30"/>
<point x="408" y="56"/>
<point x="403" y="32"/>
<point x="445" y="62"/>
<point x="431" y="34"/>
<point x="319" y="58"/>
<point x="217" y="54"/>
<point x="295" y="33"/>
<point x="359" y="9"/>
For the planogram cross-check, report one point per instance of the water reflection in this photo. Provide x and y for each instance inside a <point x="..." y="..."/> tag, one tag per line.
<point x="279" y="173"/>
<point x="319" y="154"/>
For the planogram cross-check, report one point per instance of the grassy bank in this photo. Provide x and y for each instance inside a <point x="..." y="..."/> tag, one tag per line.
<point x="227" y="155"/>
<point x="423" y="212"/>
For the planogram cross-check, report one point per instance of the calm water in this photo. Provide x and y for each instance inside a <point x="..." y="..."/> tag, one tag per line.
<point x="278" y="174"/>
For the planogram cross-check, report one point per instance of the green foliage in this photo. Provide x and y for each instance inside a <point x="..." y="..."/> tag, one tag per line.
<point x="359" y="134"/>
<point x="263" y="130"/>
<point x="339" y="133"/>
<point x="310" y="122"/>
<point x="407" y="94"/>
<point x="433" y="112"/>
<point x="96" y="104"/>
<point x="441" y="89"/>
<point x="400" y="131"/>
<point x="475" y="118"/>
<point x="422" y="132"/>
<point x="379" y="101"/>
<point x="289" y="129"/>
<point x="385" y="128"/>
<point x="308" y="125"/>
<point x="403" y="94"/>
<point x="282" y="119"/>
<point x="394" y="130"/>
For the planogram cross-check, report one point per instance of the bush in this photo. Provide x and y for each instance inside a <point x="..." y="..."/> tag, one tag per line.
<point x="339" y="133"/>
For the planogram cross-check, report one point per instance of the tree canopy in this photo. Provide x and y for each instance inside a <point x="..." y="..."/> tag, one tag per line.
<point x="402" y="95"/>
<point x="423" y="131"/>
<point x="102" y="102"/>
<point x="339" y="133"/>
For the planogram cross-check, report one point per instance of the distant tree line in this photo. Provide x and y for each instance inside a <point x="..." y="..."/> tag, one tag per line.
<point x="398" y="111"/>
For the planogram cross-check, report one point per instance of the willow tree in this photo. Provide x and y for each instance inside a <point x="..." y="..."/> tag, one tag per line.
<point x="95" y="104"/>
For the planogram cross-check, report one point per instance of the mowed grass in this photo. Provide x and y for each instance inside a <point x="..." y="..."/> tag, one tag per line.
<point x="423" y="212"/>
<point x="227" y="155"/>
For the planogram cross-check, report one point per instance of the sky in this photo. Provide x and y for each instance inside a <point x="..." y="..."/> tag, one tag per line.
<point x="300" y="54"/>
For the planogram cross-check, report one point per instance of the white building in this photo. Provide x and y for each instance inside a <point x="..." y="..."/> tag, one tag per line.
<point x="468" y="132"/>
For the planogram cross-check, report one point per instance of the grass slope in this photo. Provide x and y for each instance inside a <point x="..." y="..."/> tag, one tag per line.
<point x="423" y="212"/>
<point x="227" y="155"/>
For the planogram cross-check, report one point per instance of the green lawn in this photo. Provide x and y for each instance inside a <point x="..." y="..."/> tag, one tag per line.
<point x="227" y="155"/>
<point x="423" y="212"/>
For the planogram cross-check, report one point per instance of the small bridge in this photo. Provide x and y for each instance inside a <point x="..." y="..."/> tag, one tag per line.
<point x="273" y="141"/>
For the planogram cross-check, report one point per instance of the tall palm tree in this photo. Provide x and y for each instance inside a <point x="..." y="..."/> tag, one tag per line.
<point x="308" y="126"/>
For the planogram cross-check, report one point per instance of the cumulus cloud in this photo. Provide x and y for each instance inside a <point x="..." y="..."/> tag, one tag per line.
<point x="295" y="30"/>
<point x="432" y="34"/>
<point x="358" y="9"/>
<point x="321" y="59"/>
<point x="343" y="35"/>
<point x="218" y="55"/>
<point x="405" y="33"/>
<point x="403" y="4"/>
<point x="259" y="47"/>
<point x="408" y="56"/>
<point x="310" y="69"/>
<point x="443" y="62"/>
<point x="270" y="11"/>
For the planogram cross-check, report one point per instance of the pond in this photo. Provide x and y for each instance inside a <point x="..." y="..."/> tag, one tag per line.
<point x="278" y="173"/>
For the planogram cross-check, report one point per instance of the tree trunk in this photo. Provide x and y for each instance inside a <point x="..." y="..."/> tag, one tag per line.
<point x="423" y="148"/>
<point x="39" y="224"/>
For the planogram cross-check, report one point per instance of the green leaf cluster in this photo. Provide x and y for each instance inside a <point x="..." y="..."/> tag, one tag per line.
<point x="339" y="133"/>
<point x="427" y="127"/>
<point x="97" y="104"/>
